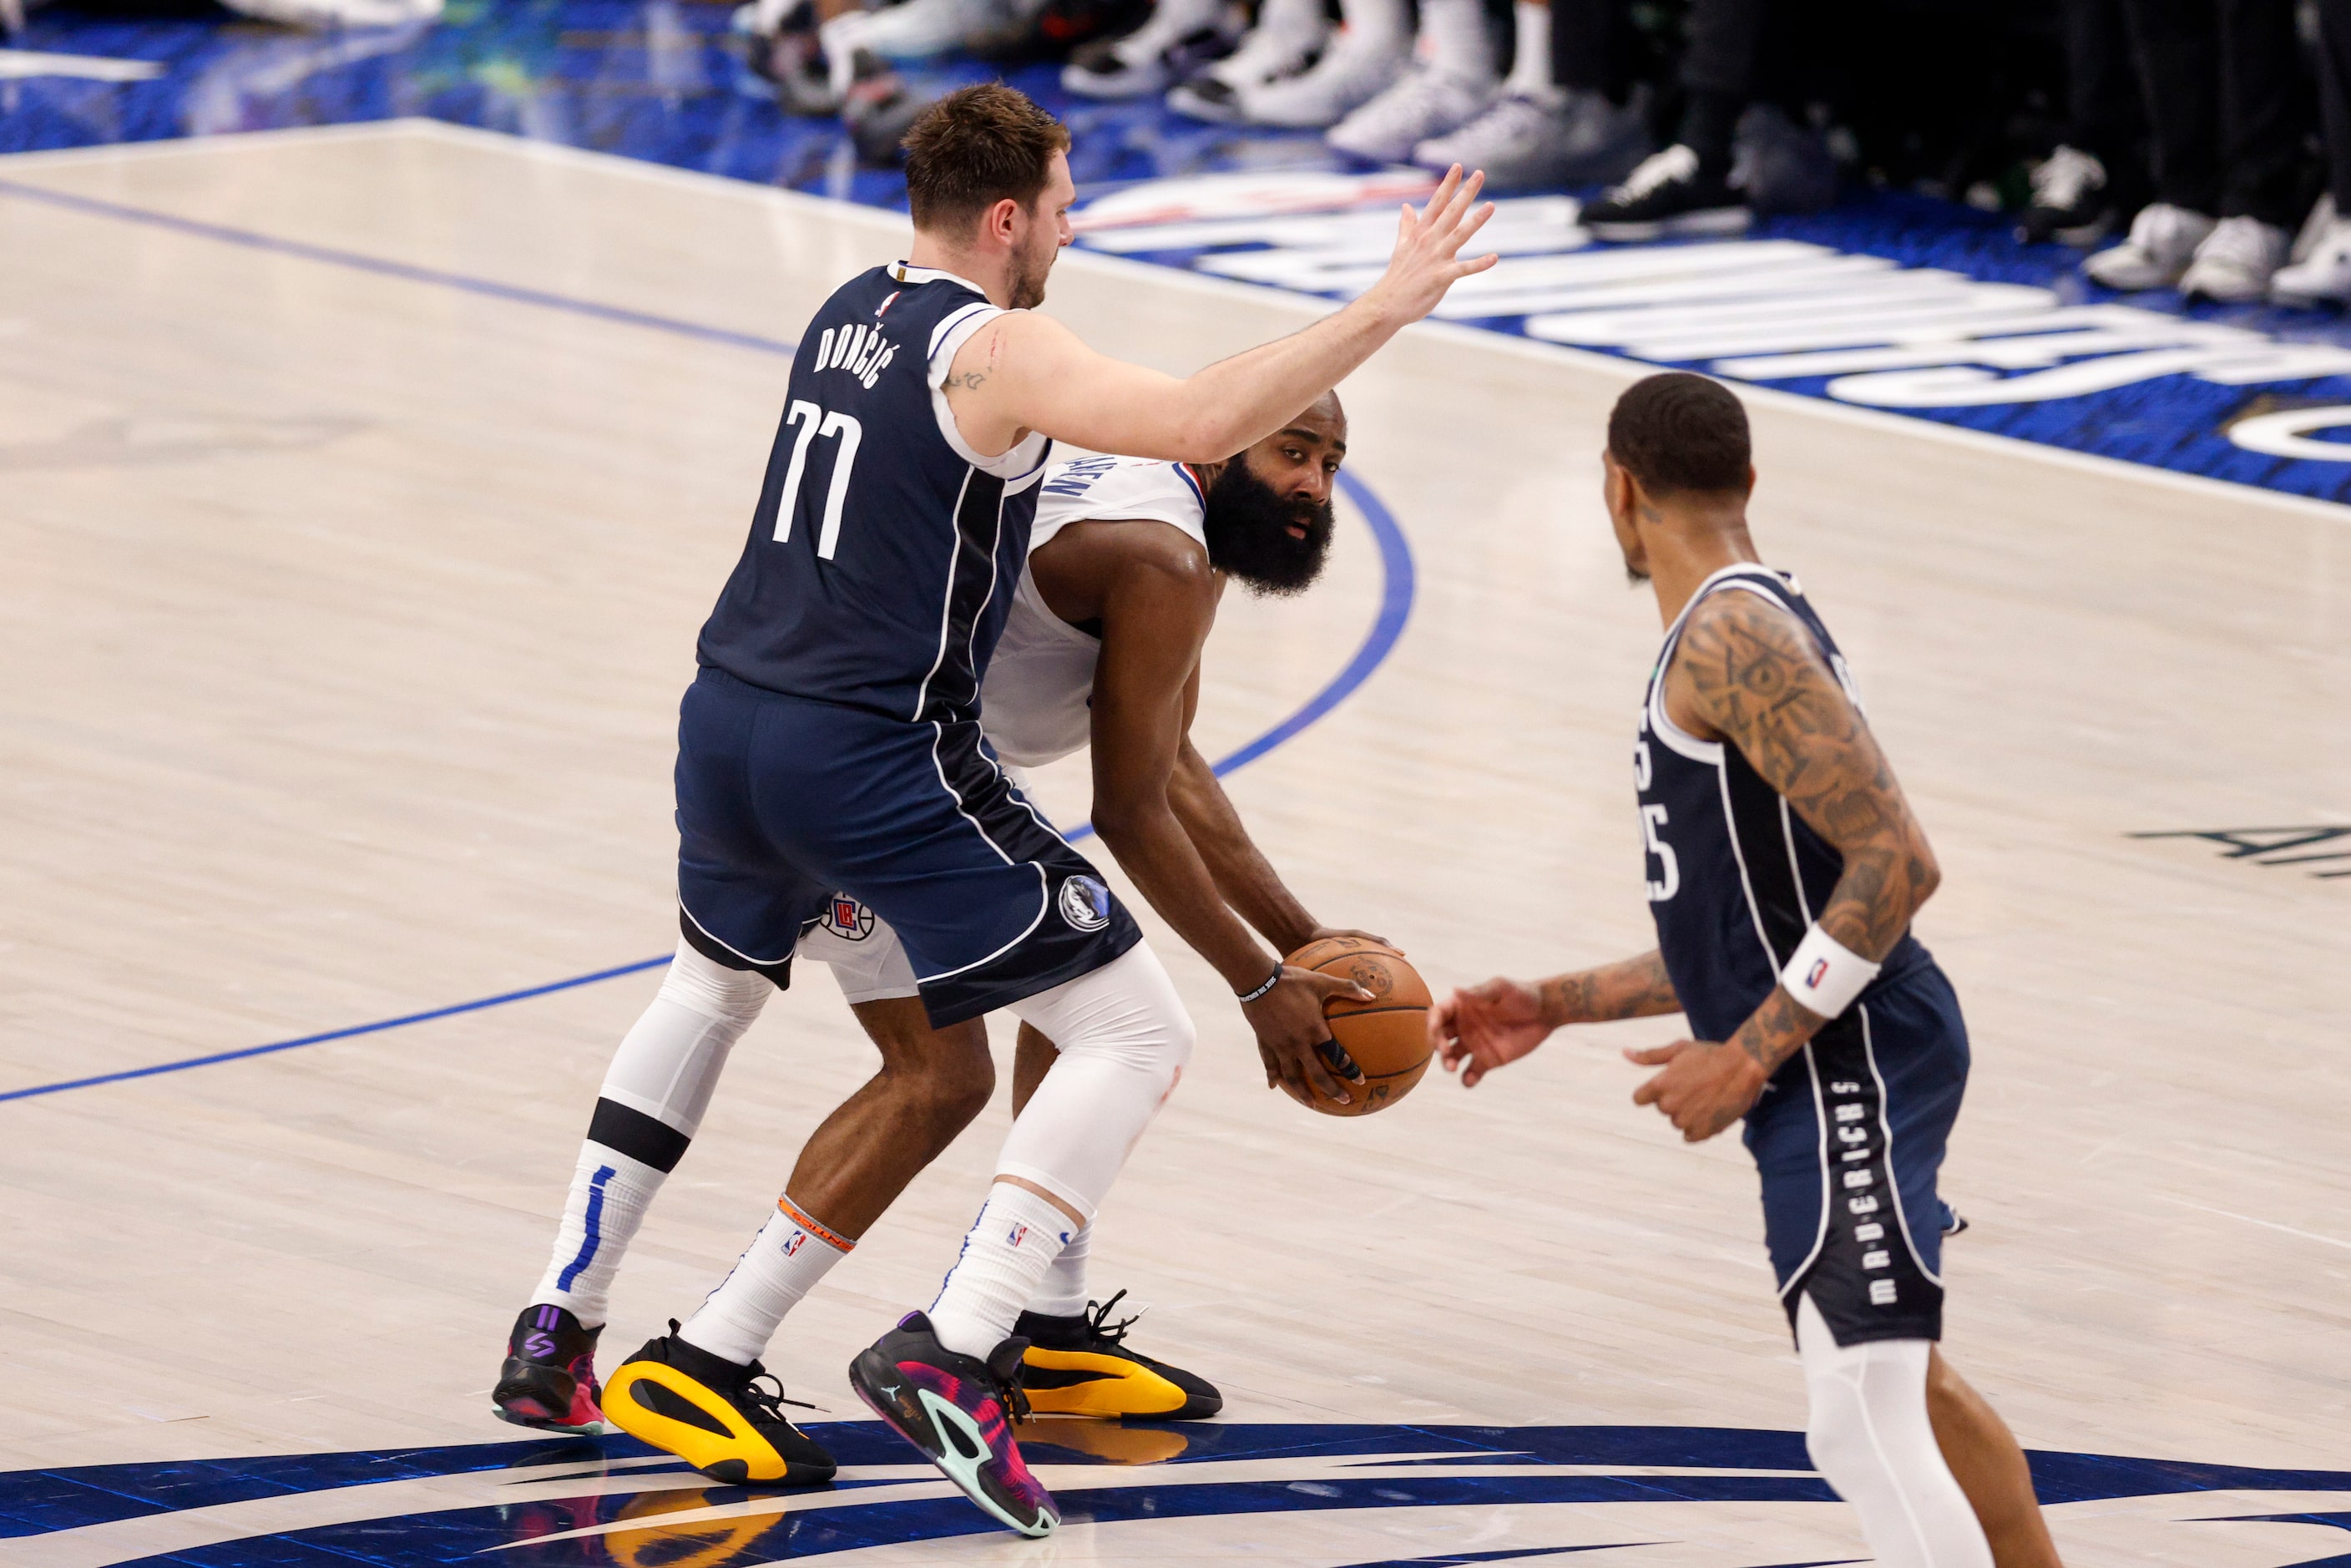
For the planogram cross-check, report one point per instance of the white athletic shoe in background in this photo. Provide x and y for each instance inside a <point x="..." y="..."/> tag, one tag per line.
<point x="1269" y="53"/>
<point x="2322" y="274"/>
<point x="1557" y="138"/>
<point x="326" y="15"/>
<point x="2236" y="262"/>
<point x="1425" y="101"/>
<point x="1181" y="37"/>
<point x="924" y="29"/>
<point x="2163" y="241"/>
<point x="1352" y="70"/>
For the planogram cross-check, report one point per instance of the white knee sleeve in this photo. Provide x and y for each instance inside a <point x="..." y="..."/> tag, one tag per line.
<point x="1872" y="1440"/>
<point x="671" y="1060"/>
<point x="1124" y="1039"/>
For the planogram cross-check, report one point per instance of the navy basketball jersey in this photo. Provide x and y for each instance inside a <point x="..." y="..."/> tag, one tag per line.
<point x="1735" y="876"/>
<point x="884" y="550"/>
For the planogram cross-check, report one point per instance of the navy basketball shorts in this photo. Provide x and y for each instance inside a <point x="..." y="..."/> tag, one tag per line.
<point x="1848" y="1138"/>
<point x="781" y="800"/>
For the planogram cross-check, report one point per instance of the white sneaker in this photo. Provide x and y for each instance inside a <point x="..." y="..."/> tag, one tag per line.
<point x="1425" y="101"/>
<point x="2322" y="275"/>
<point x="1562" y="139"/>
<point x="923" y="29"/>
<point x="2163" y="241"/>
<point x="1174" y="43"/>
<point x="2236" y="261"/>
<point x="1352" y="71"/>
<point x="1267" y="55"/>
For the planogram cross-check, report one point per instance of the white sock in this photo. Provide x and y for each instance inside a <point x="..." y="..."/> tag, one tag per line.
<point x="782" y="1264"/>
<point x="1005" y="1256"/>
<point x="610" y="1194"/>
<point x="647" y="1113"/>
<point x="1874" y="1442"/>
<point x="1530" y="65"/>
<point x="1063" y="1292"/>
<point x="1458" y="40"/>
<point x="1371" y="22"/>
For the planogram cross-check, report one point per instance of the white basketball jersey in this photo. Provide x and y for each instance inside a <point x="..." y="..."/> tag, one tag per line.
<point x="1035" y="705"/>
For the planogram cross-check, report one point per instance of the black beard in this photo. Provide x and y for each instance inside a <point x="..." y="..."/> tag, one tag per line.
<point x="1247" y="526"/>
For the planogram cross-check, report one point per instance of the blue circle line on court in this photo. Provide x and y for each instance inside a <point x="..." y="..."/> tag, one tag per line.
<point x="1398" y="576"/>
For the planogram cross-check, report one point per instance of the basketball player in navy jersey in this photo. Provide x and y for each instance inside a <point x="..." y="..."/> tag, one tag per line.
<point x="1784" y="868"/>
<point x="832" y="743"/>
<point x="1128" y="561"/>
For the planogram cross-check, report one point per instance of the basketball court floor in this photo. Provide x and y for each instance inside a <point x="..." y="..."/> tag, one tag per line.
<point x="361" y="492"/>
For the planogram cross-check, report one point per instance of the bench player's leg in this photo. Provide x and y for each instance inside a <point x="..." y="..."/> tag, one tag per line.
<point x="1078" y="1363"/>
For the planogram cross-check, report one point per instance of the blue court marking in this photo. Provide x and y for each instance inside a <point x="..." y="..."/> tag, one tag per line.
<point x="377" y="1028"/>
<point x="382" y="267"/>
<point x="1387" y="626"/>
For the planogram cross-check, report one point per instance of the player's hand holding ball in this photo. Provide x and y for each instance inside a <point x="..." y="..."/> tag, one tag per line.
<point x="1371" y="1014"/>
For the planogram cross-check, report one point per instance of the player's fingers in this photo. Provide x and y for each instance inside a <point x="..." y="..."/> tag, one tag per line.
<point x="1328" y="985"/>
<point x="1470" y="268"/>
<point x="1475" y="1071"/>
<point x="1463" y="199"/>
<point x="1651" y="1091"/>
<point x="1442" y="197"/>
<point x="1653" y="1055"/>
<point x="1320" y="1081"/>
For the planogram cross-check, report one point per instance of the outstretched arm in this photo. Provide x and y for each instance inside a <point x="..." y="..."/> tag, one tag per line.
<point x="1024" y="372"/>
<point x="1481" y="1028"/>
<point x="1245" y="879"/>
<point x="1747" y="671"/>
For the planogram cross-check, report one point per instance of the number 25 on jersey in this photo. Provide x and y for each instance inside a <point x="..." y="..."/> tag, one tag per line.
<point x="814" y="422"/>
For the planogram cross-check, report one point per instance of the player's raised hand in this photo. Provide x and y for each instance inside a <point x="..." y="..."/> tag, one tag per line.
<point x="1426" y="261"/>
<point x="1704" y="1087"/>
<point x="1480" y="1028"/>
<point x="1293" y="1038"/>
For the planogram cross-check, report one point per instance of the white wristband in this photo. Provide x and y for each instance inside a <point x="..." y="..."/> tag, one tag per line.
<point x="1825" y="975"/>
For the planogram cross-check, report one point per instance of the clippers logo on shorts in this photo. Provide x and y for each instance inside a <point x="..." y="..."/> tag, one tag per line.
<point x="1085" y="904"/>
<point x="847" y="919"/>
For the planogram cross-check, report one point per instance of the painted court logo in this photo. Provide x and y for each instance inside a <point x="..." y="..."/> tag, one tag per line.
<point x="1085" y="904"/>
<point x="1335" y="1495"/>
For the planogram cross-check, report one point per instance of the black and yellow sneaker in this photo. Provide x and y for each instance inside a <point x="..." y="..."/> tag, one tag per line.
<point x="1081" y="1365"/>
<point x="714" y="1414"/>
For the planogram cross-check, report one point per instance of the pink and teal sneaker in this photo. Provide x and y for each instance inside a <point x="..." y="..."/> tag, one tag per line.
<point x="959" y="1412"/>
<point x="549" y="1380"/>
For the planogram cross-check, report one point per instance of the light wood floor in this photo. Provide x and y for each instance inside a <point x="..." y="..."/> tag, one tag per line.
<point x="343" y="618"/>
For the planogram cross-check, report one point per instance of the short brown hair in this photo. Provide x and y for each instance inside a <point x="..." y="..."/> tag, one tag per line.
<point x="1681" y="432"/>
<point x="973" y="149"/>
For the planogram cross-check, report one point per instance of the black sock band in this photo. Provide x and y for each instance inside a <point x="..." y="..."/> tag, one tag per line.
<point x="637" y="1135"/>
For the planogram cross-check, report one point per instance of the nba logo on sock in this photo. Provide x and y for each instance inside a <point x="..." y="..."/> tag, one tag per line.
<point x="1015" y="1236"/>
<point x="793" y="1243"/>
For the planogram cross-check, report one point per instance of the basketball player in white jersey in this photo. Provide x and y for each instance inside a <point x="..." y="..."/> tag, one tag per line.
<point x="1128" y="561"/>
<point x="1784" y="868"/>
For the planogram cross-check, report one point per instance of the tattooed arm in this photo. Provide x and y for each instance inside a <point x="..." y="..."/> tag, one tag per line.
<point x="1481" y="1028"/>
<point x="1747" y="672"/>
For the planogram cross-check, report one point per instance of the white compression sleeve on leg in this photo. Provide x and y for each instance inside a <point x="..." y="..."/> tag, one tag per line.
<point x="1123" y="1038"/>
<point x="1872" y="1440"/>
<point x="652" y="1102"/>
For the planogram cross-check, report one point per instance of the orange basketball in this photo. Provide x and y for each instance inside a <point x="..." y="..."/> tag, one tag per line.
<point x="1388" y="1036"/>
